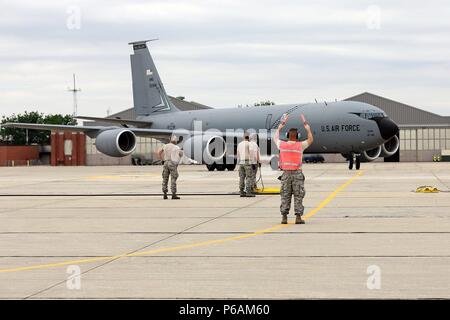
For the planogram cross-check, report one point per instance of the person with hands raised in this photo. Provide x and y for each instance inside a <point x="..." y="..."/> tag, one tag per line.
<point x="291" y="157"/>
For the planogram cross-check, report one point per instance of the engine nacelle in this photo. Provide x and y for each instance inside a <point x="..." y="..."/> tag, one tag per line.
<point x="116" y="142"/>
<point x="371" y="155"/>
<point x="390" y="147"/>
<point x="275" y="162"/>
<point x="205" y="148"/>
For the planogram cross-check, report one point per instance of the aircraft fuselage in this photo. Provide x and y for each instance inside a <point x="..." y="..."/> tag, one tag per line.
<point x="338" y="127"/>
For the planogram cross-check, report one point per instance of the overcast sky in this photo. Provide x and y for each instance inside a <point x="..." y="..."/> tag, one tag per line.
<point x="224" y="53"/>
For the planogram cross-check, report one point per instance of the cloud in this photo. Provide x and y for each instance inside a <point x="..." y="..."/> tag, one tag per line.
<point x="225" y="53"/>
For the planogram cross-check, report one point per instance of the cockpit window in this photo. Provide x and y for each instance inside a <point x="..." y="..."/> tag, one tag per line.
<point x="370" y="115"/>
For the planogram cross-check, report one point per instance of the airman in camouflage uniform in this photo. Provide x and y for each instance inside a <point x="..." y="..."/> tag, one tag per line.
<point x="171" y="155"/>
<point x="292" y="179"/>
<point x="248" y="156"/>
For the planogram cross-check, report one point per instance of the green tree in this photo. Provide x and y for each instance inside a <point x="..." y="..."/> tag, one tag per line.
<point x="60" y="119"/>
<point x="16" y="136"/>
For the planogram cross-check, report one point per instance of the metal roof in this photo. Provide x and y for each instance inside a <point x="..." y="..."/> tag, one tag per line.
<point x="182" y="105"/>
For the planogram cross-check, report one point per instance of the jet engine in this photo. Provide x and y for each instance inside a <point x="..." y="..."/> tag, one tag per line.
<point x="207" y="149"/>
<point x="371" y="155"/>
<point x="390" y="147"/>
<point x="116" y="142"/>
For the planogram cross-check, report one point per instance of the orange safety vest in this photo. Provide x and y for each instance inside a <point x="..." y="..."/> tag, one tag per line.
<point x="291" y="155"/>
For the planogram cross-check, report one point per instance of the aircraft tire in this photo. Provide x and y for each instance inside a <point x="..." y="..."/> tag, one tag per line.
<point x="231" y="167"/>
<point x="211" y="167"/>
<point x="220" y="167"/>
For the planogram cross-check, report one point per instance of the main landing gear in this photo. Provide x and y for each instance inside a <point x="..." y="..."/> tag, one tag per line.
<point x="354" y="158"/>
<point x="221" y="166"/>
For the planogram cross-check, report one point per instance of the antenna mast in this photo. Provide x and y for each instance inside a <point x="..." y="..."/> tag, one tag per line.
<point x="74" y="90"/>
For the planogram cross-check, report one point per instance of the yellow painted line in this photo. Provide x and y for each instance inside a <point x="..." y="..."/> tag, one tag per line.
<point x="186" y="246"/>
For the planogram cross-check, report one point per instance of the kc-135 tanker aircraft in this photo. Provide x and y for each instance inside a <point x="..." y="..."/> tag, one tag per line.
<point x="359" y="131"/>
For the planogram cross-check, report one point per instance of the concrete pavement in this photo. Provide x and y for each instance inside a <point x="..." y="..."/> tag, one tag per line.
<point x="219" y="245"/>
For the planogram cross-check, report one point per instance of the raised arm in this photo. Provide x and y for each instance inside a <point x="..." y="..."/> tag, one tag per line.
<point x="276" y="137"/>
<point x="310" y="139"/>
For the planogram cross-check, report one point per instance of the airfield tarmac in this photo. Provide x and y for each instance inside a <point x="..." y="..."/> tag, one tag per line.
<point x="109" y="223"/>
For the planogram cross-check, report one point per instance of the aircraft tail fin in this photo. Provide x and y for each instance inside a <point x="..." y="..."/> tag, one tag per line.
<point x="149" y="95"/>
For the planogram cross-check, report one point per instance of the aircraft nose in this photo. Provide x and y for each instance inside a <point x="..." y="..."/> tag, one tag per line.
<point x="388" y="128"/>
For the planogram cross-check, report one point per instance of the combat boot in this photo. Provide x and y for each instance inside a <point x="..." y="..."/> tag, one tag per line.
<point x="165" y="196"/>
<point x="175" y="197"/>
<point x="299" y="220"/>
<point x="284" y="219"/>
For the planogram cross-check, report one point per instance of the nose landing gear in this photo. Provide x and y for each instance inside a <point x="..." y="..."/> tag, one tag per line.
<point x="354" y="158"/>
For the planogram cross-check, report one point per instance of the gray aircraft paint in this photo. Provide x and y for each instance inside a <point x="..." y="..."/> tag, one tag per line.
<point x="264" y="117"/>
<point x="152" y="104"/>
<point x="149" y="95"/>
<point x="338" y="113"/>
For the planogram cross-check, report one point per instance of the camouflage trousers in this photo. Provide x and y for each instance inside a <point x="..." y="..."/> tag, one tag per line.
<point x="247" y="178"/>
<point x="292" y="184"/>
<point x="170" y="169"/>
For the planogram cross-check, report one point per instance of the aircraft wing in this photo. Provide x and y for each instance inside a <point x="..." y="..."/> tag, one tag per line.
<point x="91" y="130"/>
<point x="136" y="123"/>
<point x="38" y="126"/>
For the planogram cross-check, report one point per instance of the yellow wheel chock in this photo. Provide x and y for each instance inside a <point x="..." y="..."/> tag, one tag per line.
<point x="267" y="190"/>
<point x="427" y="189"/>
